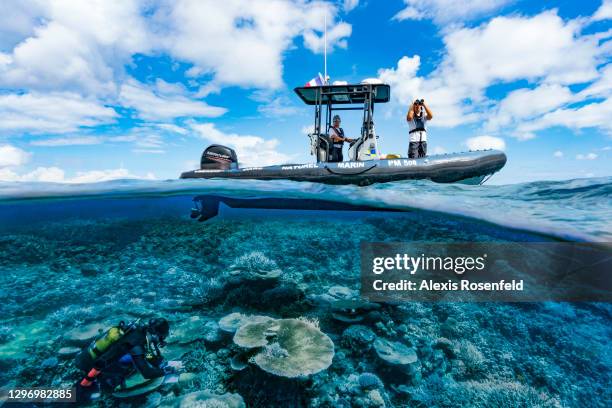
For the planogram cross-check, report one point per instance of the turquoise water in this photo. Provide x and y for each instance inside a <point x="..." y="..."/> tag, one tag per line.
<point x="77" y="257"/>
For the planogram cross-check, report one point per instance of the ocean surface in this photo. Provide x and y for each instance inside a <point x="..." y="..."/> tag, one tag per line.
<point x="78" y="258"/>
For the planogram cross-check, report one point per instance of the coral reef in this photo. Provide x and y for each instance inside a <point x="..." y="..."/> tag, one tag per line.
<point x="266" y="312"/>
<point x="254" y="266"/>
<point x="205" y="399"/>
<point x="289" y="347"/>
<point x="234" y="321"/>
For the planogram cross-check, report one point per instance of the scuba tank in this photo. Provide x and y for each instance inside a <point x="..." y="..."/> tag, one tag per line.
<point x="101" y="344"/>
<point x="88" y="359"/>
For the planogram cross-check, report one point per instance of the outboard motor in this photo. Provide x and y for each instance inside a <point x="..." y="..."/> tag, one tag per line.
<point x="217" y="157"/>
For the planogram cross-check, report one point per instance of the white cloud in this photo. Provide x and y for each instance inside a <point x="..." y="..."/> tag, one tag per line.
<point x="171" y="128"/>
<point x="604" y="12"/>
<point x="409" y="13"/>
<point x="68" y="141"/>
<point x="251" y="150"/>
<point x="45" y="174"/>
<point x="56" y="59"/>
<point x="144" y="139"/>
<point x="602" y="87"/>
<point x="219" y="38"/>
<point x="163" y="101"/>
<point x="5" y="59"/>
<point x="485" y="142"/>
<point x="147" y="138"/>
<point x="77" y="46"/>
<point x="592" y="115"/>
<point x="58" y="175"/>
<point x="274" y="104"/>
<point x="447" y="100"/>
<point x="558" y="154"/>
<point x="588" y="156"/>
<point x="84" y="46"/>
<point x="336" y="37"/>
<point x="62" y="63"/>
<point x="51" y="113"/>
<point x="67" y="57"/>
<point x="278" y="107"/>
<point x="405" y="84"/>
<point x="527" y="103"/>
<point x="543" y="49"/>
<point x="150" y="143"/>
<point x="11" y="156"/>
<point x="18" y="19"/>
<point x="149" y="151"/>
<point x="349" y="5"/>
<point x="447" y="11"/>
<point x="510" y="48"/>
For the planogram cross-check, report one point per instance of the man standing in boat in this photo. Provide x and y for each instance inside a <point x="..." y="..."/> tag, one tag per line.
<point x="338" y="139"/>
<point x="418" y="115"/>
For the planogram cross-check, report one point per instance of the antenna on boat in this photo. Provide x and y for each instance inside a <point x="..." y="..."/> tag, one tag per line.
<point x="325" y="47"/>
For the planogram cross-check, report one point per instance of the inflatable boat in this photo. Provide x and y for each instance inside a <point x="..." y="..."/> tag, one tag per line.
<point x="365" y="165"/>
<point x="468" y="167"/>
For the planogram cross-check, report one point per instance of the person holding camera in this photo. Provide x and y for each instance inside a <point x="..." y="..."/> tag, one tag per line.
<point x="418" y="115"/>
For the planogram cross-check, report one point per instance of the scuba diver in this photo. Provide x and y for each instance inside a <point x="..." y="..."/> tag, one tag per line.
<point x="114" y="355"/>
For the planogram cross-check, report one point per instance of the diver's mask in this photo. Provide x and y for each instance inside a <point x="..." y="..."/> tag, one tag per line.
<point x="156" y="339"/>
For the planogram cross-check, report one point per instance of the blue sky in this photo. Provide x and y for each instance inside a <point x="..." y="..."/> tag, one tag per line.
<point x="96" y="90"/>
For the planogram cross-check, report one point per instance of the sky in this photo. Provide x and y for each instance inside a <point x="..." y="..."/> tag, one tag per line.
<point x="96" y="90"/>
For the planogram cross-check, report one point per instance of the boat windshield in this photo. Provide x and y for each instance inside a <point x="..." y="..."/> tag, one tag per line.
<point x="342" y="94"/>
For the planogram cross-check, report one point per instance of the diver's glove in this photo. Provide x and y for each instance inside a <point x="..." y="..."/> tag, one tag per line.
<point x="167" y="369"/>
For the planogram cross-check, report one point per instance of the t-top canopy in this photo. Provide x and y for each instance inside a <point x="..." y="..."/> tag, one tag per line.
<point x="343" y="94"/>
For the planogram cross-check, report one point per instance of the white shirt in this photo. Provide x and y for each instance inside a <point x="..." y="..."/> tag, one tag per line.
<point x="338" y="132"/>
<point x="418" y="136"/>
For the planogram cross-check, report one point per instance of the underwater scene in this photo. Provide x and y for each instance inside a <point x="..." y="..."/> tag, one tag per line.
<point x="264" y="306"/>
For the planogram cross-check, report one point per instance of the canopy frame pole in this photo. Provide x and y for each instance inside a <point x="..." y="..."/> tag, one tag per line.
<point x="329" y="115"/>
<point x="317" y="127"/>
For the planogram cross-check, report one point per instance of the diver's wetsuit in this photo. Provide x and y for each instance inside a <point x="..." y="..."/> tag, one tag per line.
<point x="115" y="364"/>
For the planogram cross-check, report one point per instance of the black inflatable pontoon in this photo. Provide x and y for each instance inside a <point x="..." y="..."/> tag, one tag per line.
<point x="365" y="165"/>
<point x="468" y="167"/>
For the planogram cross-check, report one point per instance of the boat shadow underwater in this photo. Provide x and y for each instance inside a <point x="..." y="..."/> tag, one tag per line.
<point x="206" y="207"/>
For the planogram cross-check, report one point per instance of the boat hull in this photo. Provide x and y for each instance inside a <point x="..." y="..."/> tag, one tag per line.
<point x="467" y="167"/>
